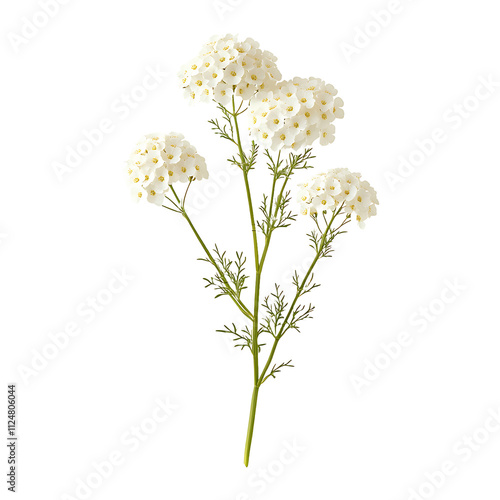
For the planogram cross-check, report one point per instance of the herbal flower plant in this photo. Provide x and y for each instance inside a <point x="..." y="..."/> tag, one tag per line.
<point x="285" y="118"/>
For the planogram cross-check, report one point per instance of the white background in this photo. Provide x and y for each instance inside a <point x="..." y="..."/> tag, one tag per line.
<point x="63" y="239"/>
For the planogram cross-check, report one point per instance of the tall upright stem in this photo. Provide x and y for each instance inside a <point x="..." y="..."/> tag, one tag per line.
<point x="259" y="264"/>
<point x="255" y="327"/>
<point x="258" y="270"/>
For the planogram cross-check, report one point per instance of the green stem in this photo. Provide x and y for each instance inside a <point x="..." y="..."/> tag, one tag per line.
<point x="258" y="271"/>
<point x="255" y="328"/>
<point x="175" y="194"/>
<point x="259" y="264"/>
<point x="271" y="229"/>
<point x="251" y="423"/>
<point x="233" y="296"/>
<point x="275" y="178"/>
<point x="244" y="168"/>
<point x="296" y="298"/>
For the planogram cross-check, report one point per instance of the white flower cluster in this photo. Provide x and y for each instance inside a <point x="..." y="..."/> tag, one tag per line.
<point x="225" y="65"/>
<point x="328" y="191"/>
<point x="295" y="114"/>
<point x="160" y="160"/>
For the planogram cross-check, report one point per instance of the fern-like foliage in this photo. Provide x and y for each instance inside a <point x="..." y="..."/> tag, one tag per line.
<point x="321" y="241"/>
<point x="274" y="306"/>
<point x="224" y="129"/>
<point x="242" y="338"/>
<point x="275" y="208"/>
<point x="277" y="369"/>
<point x="228" y="271"/>
<point x="249" y="159"/>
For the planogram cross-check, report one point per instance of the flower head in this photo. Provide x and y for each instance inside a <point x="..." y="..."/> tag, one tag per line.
<point x="226" y="67"/>
<point x="295" y="113"/>
<point x="158" y="161"/>
<point x="335" y="188"/>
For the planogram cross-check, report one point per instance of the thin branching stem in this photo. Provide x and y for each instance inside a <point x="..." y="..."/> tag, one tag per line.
<point x="300" y="289"/>
<point x="245" y="168"/>
<point x="276" y="215"/>
<point x="187" y="189"/>
<point x="211" y="259"/>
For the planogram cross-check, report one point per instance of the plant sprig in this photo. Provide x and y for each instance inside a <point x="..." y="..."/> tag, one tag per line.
<point x="274" y="306"/>
<point x="275" y="208"/>
<point x="227" y="270"/>
<point x="279" y="315"/>
<point x="277" y="369"/>
<point x="241" y="340"/>
<point x="222" y="130"/>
